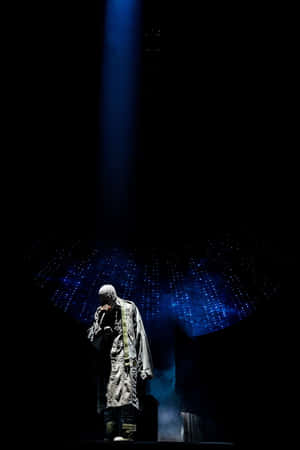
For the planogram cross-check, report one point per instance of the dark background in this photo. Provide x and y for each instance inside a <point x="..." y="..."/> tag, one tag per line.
<point x="216" y="133"/>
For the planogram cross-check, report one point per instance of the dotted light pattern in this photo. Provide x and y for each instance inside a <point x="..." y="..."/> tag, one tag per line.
<point x="202" y="296"/>
<point x="150" y="293"/>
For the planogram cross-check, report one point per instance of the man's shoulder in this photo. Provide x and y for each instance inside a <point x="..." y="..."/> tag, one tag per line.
<point x="127" y="302"/>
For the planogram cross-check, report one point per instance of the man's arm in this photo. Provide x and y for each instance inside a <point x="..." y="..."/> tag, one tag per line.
<point x="144" y="357"/>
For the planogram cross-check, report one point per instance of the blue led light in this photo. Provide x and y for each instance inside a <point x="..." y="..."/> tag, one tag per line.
<point x="201" y="299"/>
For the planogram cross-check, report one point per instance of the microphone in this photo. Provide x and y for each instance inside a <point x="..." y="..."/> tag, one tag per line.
<point x="102" y="317"/>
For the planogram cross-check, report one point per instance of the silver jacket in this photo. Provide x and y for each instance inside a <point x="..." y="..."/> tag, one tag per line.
<point x="130" y="356"/>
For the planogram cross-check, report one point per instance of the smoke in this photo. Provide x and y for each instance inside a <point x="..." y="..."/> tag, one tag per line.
<point x="169" y="418"/>
<point x="170" y="421"/>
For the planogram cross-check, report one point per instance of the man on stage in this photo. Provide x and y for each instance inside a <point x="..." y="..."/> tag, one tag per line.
<point x="126" y="361"/>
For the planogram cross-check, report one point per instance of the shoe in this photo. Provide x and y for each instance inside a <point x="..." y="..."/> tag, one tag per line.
<point x="120" y="438"/>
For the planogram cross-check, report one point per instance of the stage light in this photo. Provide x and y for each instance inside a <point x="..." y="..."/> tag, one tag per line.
<point x="118" y="108"/>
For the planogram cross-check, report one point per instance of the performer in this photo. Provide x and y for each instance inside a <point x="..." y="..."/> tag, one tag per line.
<point x="126" y="362"/>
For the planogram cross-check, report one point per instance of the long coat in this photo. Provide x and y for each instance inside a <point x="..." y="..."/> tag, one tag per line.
<point x="130" y="355"/>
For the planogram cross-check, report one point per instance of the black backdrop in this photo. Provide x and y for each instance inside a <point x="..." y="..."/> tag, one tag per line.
<point x="216" y="124"/>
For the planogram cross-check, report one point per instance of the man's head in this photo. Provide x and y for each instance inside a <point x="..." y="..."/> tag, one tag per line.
<point x="107" y="294"/>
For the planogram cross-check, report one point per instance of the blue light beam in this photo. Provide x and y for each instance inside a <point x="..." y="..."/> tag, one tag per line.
<point x="119" y="104"/>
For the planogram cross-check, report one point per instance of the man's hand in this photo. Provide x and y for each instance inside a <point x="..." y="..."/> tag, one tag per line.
<point x="105" y="308"/>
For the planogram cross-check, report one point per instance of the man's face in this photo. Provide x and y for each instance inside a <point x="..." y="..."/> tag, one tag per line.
<point x="105" y="299"/>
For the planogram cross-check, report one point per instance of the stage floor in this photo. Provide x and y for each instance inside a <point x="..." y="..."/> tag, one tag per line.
<point x="163" y="445"/>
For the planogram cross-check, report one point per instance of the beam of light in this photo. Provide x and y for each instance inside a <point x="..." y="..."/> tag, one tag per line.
<point x="119" y="105"/>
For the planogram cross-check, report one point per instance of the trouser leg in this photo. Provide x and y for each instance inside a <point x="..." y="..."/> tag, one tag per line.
<point x="110" y="423"/>
<point x="127" y="423"/>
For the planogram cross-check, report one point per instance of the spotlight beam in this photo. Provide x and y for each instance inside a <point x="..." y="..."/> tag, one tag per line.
<point x="118" y="108"/>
